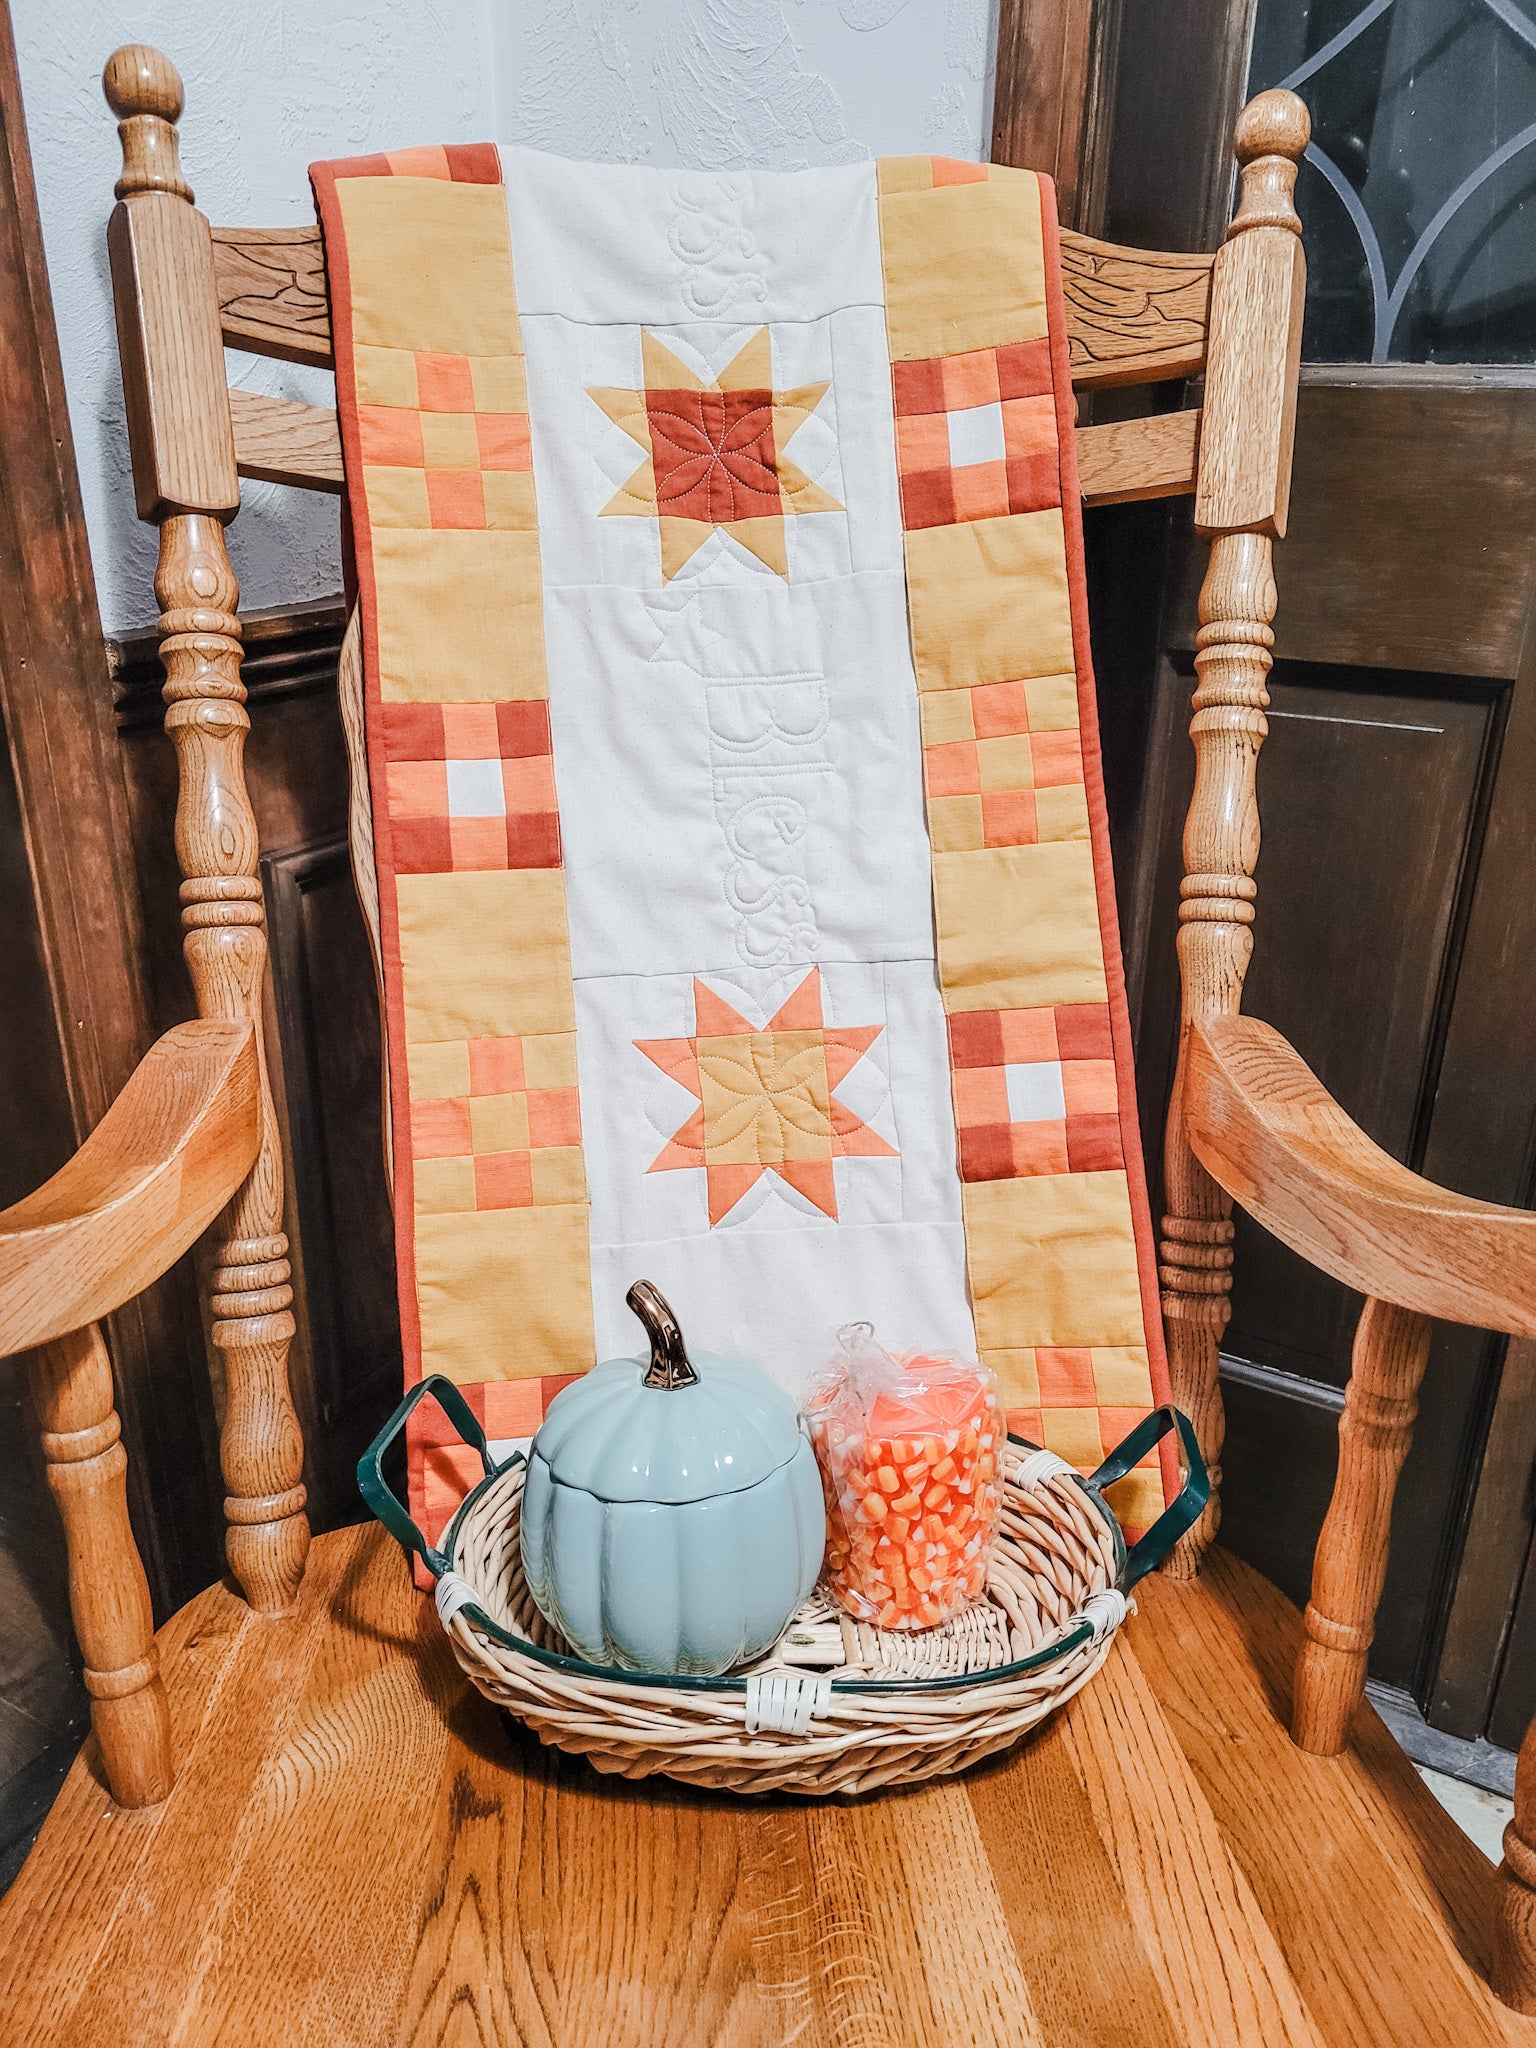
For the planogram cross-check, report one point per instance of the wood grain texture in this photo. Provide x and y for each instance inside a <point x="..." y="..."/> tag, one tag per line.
<point x="1244" y="463"/>
<point x="1044" y="91"/>
<point x="1153" y="457"/>
<point x="108" y="1593"/>
<point x="272" y="293"/>
<point x="148" y="1181"/>
<point x="184" y="468"/>
<point x="1262" y="1123"/>
<point x="1133" y="316"/>
<point x="1350" y="1568"/>
<point x="1514" y="1929"/>
<point x="357" y="1850"/>
<point x="1381" y="1906"/>
<point x="1258" y="292"/>
<point x="280" y="441"/>
<point x="76" y="863"/>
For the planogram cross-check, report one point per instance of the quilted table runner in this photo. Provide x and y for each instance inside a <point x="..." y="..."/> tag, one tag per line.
<point x="746" y="904"/>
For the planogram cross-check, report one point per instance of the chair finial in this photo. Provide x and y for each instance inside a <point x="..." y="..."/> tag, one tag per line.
<point x="1272" y="132"/>
<point x="143" y="89"/>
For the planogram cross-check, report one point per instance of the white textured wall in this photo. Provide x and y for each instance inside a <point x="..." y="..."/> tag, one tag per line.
<point x="273" y="84"/>
<point x="718" y="84"/>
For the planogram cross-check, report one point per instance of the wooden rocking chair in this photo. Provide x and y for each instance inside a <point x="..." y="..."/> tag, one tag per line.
<point x="294" y="1822"/>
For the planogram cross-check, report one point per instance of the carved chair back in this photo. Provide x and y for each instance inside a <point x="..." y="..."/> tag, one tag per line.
<point x="184" y="290"/>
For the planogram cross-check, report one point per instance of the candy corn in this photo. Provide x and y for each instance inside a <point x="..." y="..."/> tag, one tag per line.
<point x="911" y="1492"/>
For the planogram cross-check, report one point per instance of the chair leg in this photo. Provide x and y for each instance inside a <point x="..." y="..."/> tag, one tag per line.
<point x="108" y="1593"/>
<point x="1375" y="1431"/>
<point x="1514" y="1935"/>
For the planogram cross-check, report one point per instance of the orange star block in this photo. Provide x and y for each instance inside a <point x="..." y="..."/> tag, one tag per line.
<point x="765" y="1097"/>
<point x="715" y="460"/>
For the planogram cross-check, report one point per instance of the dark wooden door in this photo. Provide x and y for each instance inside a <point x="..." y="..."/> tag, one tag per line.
<point x="1396" y="933"/>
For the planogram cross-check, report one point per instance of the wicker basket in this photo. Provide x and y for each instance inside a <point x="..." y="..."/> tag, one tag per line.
<point x="834" y="1706"/>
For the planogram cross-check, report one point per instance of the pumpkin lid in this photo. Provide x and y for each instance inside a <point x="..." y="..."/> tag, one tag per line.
<point x="610" y="1435"/>
<point x="668" y="1428"/>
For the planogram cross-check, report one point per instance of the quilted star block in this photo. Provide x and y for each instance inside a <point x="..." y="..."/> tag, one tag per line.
<point x="715" y="460"/>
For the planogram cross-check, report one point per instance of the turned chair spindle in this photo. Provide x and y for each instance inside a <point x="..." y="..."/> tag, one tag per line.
<point x="185" y="482"/>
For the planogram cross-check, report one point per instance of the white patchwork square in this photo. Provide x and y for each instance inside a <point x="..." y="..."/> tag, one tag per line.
<point x="475" y="790"/>
<point x="1035" y="1093"/>
<point x="976" y="435"/>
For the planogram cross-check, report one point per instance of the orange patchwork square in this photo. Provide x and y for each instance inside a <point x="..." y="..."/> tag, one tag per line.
<point x="1035" y="1092"/>
<point x="1066" y="1378"/>
<point x="976" y="435"/>
<point x="952" y="769"/>
<point x="443" y="383"/>
<point x="455" y="499"/>
<point x="999" y="709"/>
<point x="504" y="439"/>
<point x="390" y="436"/>
<point x="471" y="786"/>
<point x="503" y="1128"/>
<point x="1058" y="758"/>
<point x="1008" y="818"/>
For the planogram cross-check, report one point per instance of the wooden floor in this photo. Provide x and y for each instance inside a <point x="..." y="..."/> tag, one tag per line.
<point x="359" y="1851"/>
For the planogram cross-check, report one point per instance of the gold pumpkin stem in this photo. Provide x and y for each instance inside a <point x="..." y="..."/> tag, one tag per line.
<point x="670" y="1366"/>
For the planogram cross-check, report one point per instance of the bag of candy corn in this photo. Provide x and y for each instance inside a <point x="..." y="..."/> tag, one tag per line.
<point x="909" y="1450"/>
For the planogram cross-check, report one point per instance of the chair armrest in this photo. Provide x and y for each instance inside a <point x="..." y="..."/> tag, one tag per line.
<point x="1264" y="1127"/>
<point x="150" y="1178"/>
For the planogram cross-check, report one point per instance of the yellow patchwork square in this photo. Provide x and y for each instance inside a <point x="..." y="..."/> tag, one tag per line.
<point x="947" y="716"/>
<point x="1137" y="1499"/>
<point x="444" y="1187"/>
<point x="485" y="955"/>
<point x="1018" y="1381"/>
<point x="1052" y="1261"/>
<point x="504" y="1293"/>
<point x="1062" y="813"/>
<point x="1051" y="702"/>
<point x="430" y="264"/>
<point x="955" y="824"/>
<point x="461" y="615"/>
<point x="964" y="266"/>
<point x="988" y="600"/>
<point x="1018" y="927"/>
<point x="397" y="497"/>
<point x="385" y="376"/>
<point x="903" y="174"/>
<point x="1006" y="763"/>
<point x="438" y="1071"/>
<point x="550" y="1062"/>
<point x="449" y="441"/>
<point x="509" y="499"/>
<point x="499" y="383"/>
<point x="1122" y="1377"/>
<point x="1073" y="1434"/>
<point x="498" y="1123"/>
<point x="558" y="1175"/>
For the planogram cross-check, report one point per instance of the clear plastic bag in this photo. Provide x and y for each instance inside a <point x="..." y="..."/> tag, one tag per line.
<point x="910" y="1450"/>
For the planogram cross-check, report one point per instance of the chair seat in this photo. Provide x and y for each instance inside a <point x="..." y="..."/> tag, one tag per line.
<point x="360" y="1850"/>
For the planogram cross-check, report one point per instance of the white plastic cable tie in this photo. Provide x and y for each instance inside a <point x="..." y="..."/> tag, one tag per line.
<point x="1038" y="1467"/>
<point x="452" y="1594"/>
<point x="1105" y="1611"/>
<point x="784" y="1702"/>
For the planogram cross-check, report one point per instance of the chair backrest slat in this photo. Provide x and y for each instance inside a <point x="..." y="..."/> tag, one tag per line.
<point x="1133" y="317"/>
<point x="284" y="442"/>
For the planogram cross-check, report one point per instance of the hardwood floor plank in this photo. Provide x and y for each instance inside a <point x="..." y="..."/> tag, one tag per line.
<point x="1089" y="1975"/>
<point x="1341" y="1872"/>
<point x="345" y="1800"/>
<point x="945" y="1953"/>
<point x="1221" y="1970"/>
<point x="60" y="1912"/>
<point x="147" y="1969"/>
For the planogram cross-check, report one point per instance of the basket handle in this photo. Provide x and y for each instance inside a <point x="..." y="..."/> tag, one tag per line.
<point x="1148" y="1553"/>
<point x="387" y="1506"/>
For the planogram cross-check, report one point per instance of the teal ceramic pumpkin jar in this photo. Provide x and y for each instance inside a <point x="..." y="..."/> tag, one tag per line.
<point x="672" y="1518"/>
